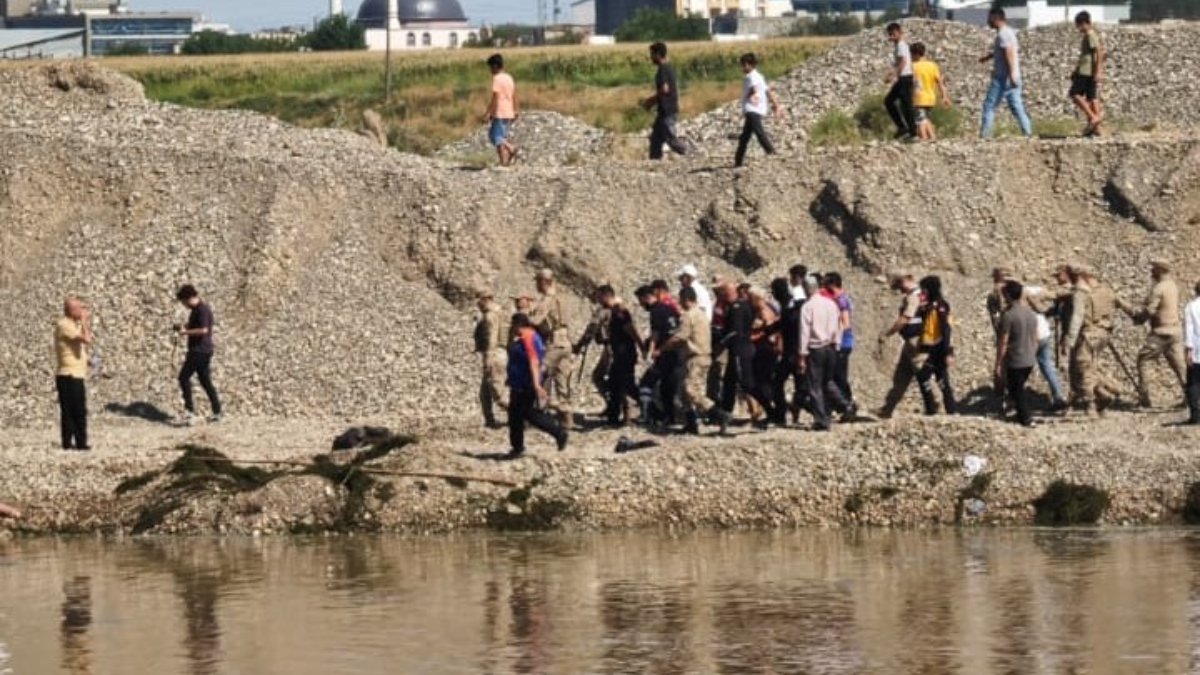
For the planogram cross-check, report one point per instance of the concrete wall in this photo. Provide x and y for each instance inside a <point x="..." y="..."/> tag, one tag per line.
<point x="420" y="37"/>
<point x="1041" y="13"/>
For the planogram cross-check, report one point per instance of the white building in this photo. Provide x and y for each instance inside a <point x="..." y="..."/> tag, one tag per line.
<point x="418" y="24"/>
<point x="746" y="8"/>
<point x="1035" y="13"/>
<point x="583" y="13"/>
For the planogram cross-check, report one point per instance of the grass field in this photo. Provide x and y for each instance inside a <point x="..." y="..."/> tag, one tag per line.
<point x="438" y="97"/>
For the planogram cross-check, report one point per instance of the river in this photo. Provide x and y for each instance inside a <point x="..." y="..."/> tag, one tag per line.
<point x="809" y="601"/>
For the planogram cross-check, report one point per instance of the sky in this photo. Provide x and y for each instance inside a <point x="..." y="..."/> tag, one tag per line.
<point x="248" y="15"/>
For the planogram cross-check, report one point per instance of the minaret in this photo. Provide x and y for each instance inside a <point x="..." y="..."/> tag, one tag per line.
<point x="335" y="7"/>
<point x="393" y="15"/>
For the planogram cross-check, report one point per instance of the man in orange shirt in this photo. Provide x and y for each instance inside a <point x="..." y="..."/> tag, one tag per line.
<point x="930" y="86"/>
<point x="502" y="111"/>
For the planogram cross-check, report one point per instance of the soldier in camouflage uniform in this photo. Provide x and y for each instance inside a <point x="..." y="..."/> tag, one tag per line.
<point x="1089" y="333"/>
<point x="549" y="318"/>
<point x="491" y="343"/>
<point x="693" y="339"/>
<point x="1160" y="310"/>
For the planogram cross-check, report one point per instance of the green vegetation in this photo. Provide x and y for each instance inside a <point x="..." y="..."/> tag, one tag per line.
<point x="439" y="96"/>
<point x="652" y="25"/>
<point x="870" y="122"/>
<point x="336" y="34"/>
<point x="1066" y="503"/>
<point x="212" y="42"/>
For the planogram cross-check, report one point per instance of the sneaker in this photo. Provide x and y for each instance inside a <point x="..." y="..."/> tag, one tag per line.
<point x="215" y="418"/>
<point x="187" y="419"/>
<point x="515" y="453"/>
<point x="561" y="440"/>
<point x="1058" y="406"/>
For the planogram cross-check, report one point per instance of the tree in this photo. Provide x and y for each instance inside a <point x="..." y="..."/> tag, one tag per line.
<point x="212" y="42"/>
<point x="337" y="33"/>
<point x="650" y="25"/>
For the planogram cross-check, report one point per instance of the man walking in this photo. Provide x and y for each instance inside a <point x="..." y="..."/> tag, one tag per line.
<point x="666" y="102"/>
<point x="1160" y="310"/>
<point x="72" y="337"/>
<point x="1088" y="335"/>
<point x="491" y="343"/>
<point x="1088" y="75"/>
<point x="755" y="97"/>
<point x="527" y="394"/>
<point x="689" y="277"/>
<point x="596" y="333"/>
<point x="1035" y="298"/>
<point x="1016" y="349"/>
<point x="502" y="111"/>
<point x="624" y="343"/>
<point x="820" y="335"/>
<point x="832" y="283"/>
<point x="1006" y="76"/>
<point x="908" y="326"/>
<point x="1192" y="320"/>
<point x="550" y="321"/>
<point x="899" y="101"/>
<point x="694" y="339"/>
<point x="198" y="362"/>
<point x="659" y="381"/>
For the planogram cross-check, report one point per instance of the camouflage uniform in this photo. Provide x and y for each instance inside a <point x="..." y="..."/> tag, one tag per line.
<point x="1165" y="339"/>
<point x="550" y="321"/>
<point x="491" y="343"/>
<point x="1093" y="305"/>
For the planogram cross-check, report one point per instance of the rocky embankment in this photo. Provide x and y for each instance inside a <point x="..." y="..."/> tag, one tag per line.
<point x="907" y="472"/>
<point x="343" y="278"/>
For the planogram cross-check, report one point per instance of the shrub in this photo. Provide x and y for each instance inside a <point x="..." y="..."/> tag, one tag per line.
<point x="649" y="25"/>
<point x="337" y="33"/>
<point x="835" y="128"/>
<point x="1066" y="503"/>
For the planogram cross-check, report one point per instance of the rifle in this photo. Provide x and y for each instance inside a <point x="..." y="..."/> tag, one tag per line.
<point x="1125" y="368"/>
<point x="582" y="365"/>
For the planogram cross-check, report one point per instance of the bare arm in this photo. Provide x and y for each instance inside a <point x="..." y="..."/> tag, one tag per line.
<point x="774" y="101"/>
<point x="1098" y="66"/>
<point x="941" y="83"/>
<point x="490" y="113"/>
<point x="1010" y="58"/>
<point x="1001" y="355"/>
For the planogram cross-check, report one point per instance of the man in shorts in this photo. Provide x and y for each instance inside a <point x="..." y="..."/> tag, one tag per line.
<point x="929" y="87"/>
<point x="1089" y="73"/>
<point x="502" y="111"/>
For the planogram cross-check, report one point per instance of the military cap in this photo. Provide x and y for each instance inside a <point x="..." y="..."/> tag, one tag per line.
<point x="1160" y="264"/>
<point x="896" y="276"/>
<point x="544" y="274"/>
<point x="1004" y="271"/>
<point x="484" y="294"/>
<point x="1083" y="269"/>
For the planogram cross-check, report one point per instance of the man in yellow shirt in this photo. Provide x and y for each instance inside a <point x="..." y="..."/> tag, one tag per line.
<point x="72" y="335"/>
<point x="929" y="86"/>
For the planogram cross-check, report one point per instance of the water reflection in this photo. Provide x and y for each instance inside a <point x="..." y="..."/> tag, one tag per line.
<point x="806" y="602"/>
<point x="76" y="620"/>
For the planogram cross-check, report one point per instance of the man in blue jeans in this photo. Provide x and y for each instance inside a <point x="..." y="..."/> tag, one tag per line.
<point x="1006" y="76"/>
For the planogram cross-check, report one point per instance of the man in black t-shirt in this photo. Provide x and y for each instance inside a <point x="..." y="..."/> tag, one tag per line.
<point x="661" y="376"/>
<point x="666" y="101"/>
<point x="624" y="342"/>
<point x="198" y="362"/>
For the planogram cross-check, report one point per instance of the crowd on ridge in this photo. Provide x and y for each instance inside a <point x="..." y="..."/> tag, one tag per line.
<point x="917" y="88"/>
<point x="785" y="350"/>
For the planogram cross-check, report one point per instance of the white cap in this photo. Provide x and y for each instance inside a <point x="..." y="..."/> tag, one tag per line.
<point x="688" y="269"/>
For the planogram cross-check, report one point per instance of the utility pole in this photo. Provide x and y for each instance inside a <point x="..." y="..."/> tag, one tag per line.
<point x="393" y="14"/>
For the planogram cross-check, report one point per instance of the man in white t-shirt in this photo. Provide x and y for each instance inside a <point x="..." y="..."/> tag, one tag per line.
<point x="1191" y="344"/>
<point x="899" y="101"/>
<point x="755" y="97"/>
<point x="689" y="277"/>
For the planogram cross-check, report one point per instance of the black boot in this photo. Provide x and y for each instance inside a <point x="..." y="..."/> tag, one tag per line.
<point x="691" y="423"/>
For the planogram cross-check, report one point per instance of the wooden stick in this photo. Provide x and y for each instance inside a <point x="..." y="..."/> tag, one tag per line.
<point x="368" y="470"/>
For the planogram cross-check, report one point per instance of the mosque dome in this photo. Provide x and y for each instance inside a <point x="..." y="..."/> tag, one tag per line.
<point x="373" y="13"/>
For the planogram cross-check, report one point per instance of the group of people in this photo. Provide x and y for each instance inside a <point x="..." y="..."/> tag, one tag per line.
<point x="75" y="361"/>
<point x="785" y="349"/>
<point x="917" y="84"/>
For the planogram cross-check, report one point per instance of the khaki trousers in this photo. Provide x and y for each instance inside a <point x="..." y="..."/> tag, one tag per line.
<point x="1156" y="347"/>
<point x="695" y="385"/>
<point x="911" y="361"/>
<point x="560" y="366"/>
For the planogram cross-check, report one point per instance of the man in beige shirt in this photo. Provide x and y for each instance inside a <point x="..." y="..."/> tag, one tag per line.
<point x="72" y="335"/>
<point x="550" y="321"/>
<point x="694" y="339"/>
<point x="1160" y="310"/>
<point x="908" y="326"/>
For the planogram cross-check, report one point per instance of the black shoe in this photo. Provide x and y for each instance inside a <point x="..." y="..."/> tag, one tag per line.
<point x="720" y="418"/>
<point x="692" y="428"/>
<point x="1058" y="406"/>
<point x="762" y="425"/>
<point x="851" y="412"/>
<point x="515" y="453"/>
<point x="821" y="427"/>
<point x="83" y="448"/>
<point x="561" y="440"/>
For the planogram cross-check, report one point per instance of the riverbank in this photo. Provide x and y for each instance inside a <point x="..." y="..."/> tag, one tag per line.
<point x="907" y="472"/>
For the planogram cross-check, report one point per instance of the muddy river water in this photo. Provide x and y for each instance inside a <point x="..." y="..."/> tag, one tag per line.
<point x="990" y="601"/>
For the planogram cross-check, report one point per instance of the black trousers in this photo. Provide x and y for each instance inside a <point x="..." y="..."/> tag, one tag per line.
<point x="523" y="408"/>
<point x="199" y="365"/>
<point x="1015" y="379"/>
<point x="72" y="408"/>
<point x="739" y="374"/>
<point x="899" y="104"/>
<point x="824" y="394"/>
<point x="842" y="375"/>
<point x="622" y="384"/>
<point x="662" y="376"/>
<point x="765" y="362"/>
<point x="936" y="368"/>
<point x="752" y="128"/>
<point x="664" y="132"/>
<point x="1193" y="392"/>
<point x="785" y="369"/>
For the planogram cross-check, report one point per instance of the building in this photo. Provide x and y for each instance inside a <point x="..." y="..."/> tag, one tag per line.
<point x="41" y="44"/>
<point x="611" y="14"/>
<point x="582" y="14"/>
<point x="876" y="8"/>
<point x="107" y="25"/>
<point x="1034" y="13"/>
<point x="419" y="24"/>
<point x="709" y="9"/>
